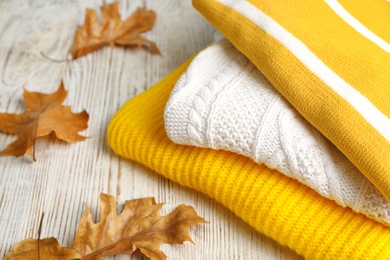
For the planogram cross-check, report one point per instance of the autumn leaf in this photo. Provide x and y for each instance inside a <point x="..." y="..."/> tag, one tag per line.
<point x="93" y="35"/>
<point x="139" y="226"/>
<point x="44" y="115"/>
<point x="48" y="249"/>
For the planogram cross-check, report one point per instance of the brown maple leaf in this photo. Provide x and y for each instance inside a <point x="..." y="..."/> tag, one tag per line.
<point x="93" y="35"/>
<point x="48" y="249"/>
<point x="139" y="226"/>
<point x="44" y="115"/>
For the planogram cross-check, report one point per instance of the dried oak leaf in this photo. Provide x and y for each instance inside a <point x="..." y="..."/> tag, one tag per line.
<point x="44" y="115"/>
<point x="93" y="35"/>
<point x="44" y="249"/>
<point x="139" y="226"/>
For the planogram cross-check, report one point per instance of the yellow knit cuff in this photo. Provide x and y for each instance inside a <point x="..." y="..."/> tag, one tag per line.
<point x="275" y="205"/>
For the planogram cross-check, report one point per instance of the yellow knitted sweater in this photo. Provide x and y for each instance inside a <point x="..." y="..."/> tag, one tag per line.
<point x="330" y="59"/>
<point x="280" y="207"/>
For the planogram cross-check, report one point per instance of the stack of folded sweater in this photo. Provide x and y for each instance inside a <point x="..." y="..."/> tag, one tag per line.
<point x="313" y="174"/>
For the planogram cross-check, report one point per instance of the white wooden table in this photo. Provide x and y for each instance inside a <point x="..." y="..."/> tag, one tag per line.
<point x="67" y="177"/>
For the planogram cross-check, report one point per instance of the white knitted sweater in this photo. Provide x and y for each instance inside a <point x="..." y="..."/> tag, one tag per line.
<point x="224" y="102"/>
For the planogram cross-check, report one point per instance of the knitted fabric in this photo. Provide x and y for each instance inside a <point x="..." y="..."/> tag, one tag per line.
<point x="278" y="206"/>
<point x="224" y="102"/>
<point x="330" y="59"/>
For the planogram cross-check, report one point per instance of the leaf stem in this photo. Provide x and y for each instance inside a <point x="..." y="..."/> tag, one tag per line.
<point x="39" y="233"/>
<point x="51" y="59"/>
<point x="33" y="148"/>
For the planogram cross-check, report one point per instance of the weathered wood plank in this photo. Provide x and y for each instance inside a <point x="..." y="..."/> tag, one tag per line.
<point x="67" y="177"/>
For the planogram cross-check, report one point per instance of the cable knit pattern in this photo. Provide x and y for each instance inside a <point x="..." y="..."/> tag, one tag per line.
<point x="224" y="102"/>
<point x="278" y="206"/>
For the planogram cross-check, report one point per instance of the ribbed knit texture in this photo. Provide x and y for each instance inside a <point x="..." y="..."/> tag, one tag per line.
<point x="278" y="206"/>
<point x="223" y="102"/>
<point x="330" y="59"/>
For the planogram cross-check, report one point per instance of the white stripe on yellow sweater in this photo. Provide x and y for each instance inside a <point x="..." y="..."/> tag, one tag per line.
<point x="358" y="26"/>
<point x="360" y="103"/>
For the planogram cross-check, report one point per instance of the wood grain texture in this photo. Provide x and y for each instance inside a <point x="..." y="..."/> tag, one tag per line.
<point x="67" y="177"/>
